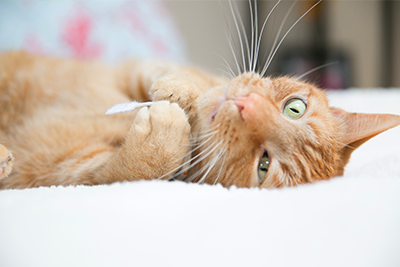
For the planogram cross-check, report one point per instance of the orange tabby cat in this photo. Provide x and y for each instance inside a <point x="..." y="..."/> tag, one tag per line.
<point x="249" y="131"/>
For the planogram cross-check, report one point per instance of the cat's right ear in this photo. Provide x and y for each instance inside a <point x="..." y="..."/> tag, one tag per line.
<point x="357" y="128"/>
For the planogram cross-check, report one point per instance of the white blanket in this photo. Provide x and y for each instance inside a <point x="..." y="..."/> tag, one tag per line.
<point x="347" y="221"/>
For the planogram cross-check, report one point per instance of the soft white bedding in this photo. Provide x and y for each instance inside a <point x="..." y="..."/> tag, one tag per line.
<point x="348" y="221"/>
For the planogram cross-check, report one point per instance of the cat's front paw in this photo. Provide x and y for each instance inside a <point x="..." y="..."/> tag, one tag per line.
<point x="180" y="90"/>
<point x="159" y="139"/>
<point x="6" y="162"/>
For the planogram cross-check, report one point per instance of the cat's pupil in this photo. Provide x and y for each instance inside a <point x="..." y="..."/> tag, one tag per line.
<point x="294" y="110"/>
<point x="263" y="167"/>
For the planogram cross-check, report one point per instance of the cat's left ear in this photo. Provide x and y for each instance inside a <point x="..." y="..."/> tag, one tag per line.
<point x="357" y="128"/>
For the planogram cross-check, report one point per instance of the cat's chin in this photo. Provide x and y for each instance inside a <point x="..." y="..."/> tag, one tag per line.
<point x="215" y="112"/>
<point x="222" y="108"/>
<point x="215" y="105"/>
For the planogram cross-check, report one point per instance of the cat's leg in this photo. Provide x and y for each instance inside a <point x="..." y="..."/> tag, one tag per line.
<point x="149" y="80"/>
<point x="6" y="162"/>
<point x="155" y="147"/>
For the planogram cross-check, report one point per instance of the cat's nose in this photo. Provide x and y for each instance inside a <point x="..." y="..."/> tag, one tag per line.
<point x="249" y="105"/>
<point x="260" y="116"/>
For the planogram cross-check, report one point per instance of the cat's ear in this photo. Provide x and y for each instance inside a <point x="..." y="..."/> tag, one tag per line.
<point x="357" y="128"/>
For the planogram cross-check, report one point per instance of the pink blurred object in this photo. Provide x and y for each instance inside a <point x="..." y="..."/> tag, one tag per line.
<point x="106" y="30"/>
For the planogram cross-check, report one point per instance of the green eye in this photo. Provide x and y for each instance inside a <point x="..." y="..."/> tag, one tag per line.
<point x="294" y="108"/>
<point x="263" y="166"/>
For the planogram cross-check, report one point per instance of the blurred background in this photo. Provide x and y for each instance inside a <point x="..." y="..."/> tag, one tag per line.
<point x="343" y="43"/>
<point x="359" y="39"/>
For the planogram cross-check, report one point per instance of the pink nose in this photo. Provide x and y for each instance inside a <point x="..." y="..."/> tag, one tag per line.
<point x="248" y="105"/>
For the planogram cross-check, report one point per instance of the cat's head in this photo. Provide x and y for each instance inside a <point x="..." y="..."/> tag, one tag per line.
<point x="265" y="132"/>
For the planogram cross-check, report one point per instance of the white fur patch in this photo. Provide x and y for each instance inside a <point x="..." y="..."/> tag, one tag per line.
<point x="127" y="107"/>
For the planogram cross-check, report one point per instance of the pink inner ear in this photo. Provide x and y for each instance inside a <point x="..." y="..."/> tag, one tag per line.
<point x="358" y="127"/>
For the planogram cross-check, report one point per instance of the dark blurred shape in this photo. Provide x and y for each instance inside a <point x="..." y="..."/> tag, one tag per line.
<point x="319" y="62"/>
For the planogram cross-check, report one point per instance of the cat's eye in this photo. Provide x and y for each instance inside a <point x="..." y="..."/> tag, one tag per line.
<point x="263" y="166"/>
<point x="294" y="108"/>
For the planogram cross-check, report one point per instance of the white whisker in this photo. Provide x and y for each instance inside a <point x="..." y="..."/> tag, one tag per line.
<point x="209" y="166"/>
<point x="185" y="163"/>
<point x="212" y="164"/>
<point x="283" y="38"/>
<point x="255" y="35"/>
<point x="261" y="33"/>
<point x="200" y="144"/>
<point x="207" y="153"/>
<point x="230" y="40"/>
<point x="220" y="169"/>
<point x="245" y="38"/>
<point x="189" y="179"/>
<point x="315" y="69"/>
<point x="226" y="72"/>
<point x="239" y="35"/>
<point x="252" y="36"/>
<point x="231" y="72"/>
<point x="205" y="134"/>
<point x="195" y="175"/>
<point x="277" y="36"/>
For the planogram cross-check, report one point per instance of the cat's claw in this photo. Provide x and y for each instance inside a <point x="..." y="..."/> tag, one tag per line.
<point x="6" y="162"/>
